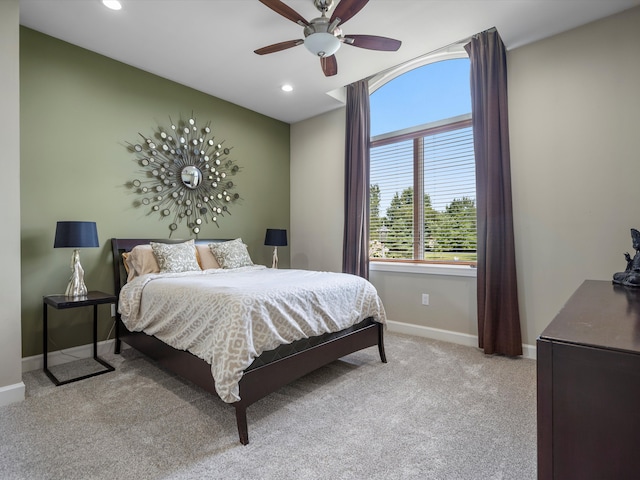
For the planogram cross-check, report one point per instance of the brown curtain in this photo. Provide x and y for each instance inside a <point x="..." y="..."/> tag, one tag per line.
<point x="355" y="249"/>
<point x="498" y="312"/>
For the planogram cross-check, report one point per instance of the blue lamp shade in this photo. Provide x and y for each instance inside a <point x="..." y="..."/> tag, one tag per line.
<point x="76" y="235"/>
<point x="275" y="237"/>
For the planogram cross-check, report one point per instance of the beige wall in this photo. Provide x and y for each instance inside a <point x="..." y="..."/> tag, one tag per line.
<point x="79" y="111"/>
<point x="573" y="104"/>
<point x="452" y="300"/>
<point x="317" y="192"/>
<point x="11" y="387"/>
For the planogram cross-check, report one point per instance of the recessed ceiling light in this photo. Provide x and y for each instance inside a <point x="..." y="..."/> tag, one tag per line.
<point x="112" y="4"/>
<point x="287" y="88"/>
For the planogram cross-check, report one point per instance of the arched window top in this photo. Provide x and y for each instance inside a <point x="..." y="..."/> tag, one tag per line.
<point x="426" y="90"/>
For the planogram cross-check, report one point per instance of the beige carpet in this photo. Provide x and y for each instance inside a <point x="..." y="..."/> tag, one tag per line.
<point x="435" y="411"/>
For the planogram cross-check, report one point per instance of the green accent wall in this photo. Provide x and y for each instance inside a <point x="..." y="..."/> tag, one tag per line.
<point x="79" y="112"/>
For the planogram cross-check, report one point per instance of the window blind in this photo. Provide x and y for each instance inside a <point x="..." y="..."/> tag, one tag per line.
<point x="423" y="193"/>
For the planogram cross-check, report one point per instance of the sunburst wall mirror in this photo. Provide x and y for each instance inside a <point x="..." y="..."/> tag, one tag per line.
<point x="186" y="175"/>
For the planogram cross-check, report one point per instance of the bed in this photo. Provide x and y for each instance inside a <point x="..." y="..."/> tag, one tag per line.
<point x="270" y="369"/>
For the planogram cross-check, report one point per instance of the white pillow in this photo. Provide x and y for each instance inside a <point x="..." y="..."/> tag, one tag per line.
<point x="140" y="261"/>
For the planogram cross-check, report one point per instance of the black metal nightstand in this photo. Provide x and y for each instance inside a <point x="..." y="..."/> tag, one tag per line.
<point x="61" y="302"/>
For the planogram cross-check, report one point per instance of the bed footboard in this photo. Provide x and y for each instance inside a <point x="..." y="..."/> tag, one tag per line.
<point x="258" y="382"/>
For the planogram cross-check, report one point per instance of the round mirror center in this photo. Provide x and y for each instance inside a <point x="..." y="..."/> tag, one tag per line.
<point x="191" y="176"/>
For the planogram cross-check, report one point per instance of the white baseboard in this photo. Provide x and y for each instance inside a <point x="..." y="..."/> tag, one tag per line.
<point x="66" y="355"/>
<point x="528" y="351"/>
<point x="11" y="394"/>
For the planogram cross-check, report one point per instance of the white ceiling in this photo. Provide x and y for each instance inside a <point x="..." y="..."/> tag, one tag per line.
<point x="208" y="44"/>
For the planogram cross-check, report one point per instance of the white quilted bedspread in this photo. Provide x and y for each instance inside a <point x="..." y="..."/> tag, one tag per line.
<point x="229" y="317"/>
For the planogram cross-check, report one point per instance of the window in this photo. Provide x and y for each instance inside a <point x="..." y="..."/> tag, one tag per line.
<point x="422" y="181"/>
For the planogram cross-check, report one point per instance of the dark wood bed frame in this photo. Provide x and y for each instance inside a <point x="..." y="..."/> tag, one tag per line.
<point x="264" y="375"/>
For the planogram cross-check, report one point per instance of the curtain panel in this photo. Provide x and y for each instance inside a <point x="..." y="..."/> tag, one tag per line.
<point x="355" y="250"/>
<point x="498" y="309"/>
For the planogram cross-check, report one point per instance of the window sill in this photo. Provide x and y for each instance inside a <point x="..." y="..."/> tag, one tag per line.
<point x="424" y="269"/>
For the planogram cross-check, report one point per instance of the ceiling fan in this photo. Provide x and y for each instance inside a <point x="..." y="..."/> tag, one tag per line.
<point x="322" y="35"/>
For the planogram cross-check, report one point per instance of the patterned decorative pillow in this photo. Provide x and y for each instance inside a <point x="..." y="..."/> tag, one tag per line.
<point x="176" y="257"/>
<point x="231" y="254"/>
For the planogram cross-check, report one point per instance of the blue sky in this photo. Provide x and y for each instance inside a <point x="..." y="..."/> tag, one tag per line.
<point x="426" y="94"/>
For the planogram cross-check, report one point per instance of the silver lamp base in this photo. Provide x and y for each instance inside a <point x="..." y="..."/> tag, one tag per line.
<point x="275" y="258"/>
<point x="76" y="287"/>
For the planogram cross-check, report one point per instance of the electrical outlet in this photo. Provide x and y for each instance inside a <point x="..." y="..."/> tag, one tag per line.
<point x="425" y="299"/>
<point x="113" y="309"/>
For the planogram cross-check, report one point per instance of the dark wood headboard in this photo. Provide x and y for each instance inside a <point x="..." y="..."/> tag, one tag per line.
<point x="121" y="245"/>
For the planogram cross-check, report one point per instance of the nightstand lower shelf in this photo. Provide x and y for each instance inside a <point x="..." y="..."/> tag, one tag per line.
<point x="57" y="382"/>
<point x="61" y="302"/>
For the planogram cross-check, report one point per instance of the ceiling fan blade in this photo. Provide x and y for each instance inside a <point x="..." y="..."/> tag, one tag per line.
<point x="329" y="65"/>
<point x="347" y="9"/>
<point x="276" y="47"/>
<point x="285" y="10"/>
<point x="373" y="42"/>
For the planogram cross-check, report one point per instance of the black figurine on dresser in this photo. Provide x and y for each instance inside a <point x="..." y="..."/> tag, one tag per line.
<point x="631" y="276"/>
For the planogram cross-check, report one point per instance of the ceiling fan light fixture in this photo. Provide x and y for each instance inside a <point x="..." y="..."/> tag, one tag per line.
<point x="322" y="44"/>
<point x="112" y="4"/>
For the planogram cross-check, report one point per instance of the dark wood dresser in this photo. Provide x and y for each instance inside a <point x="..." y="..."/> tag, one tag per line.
<point x="589" y="386"/>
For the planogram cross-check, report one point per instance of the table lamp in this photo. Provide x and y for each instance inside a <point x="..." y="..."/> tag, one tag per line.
<point x="275" y="238"/>
<point x="76" y="235"/>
